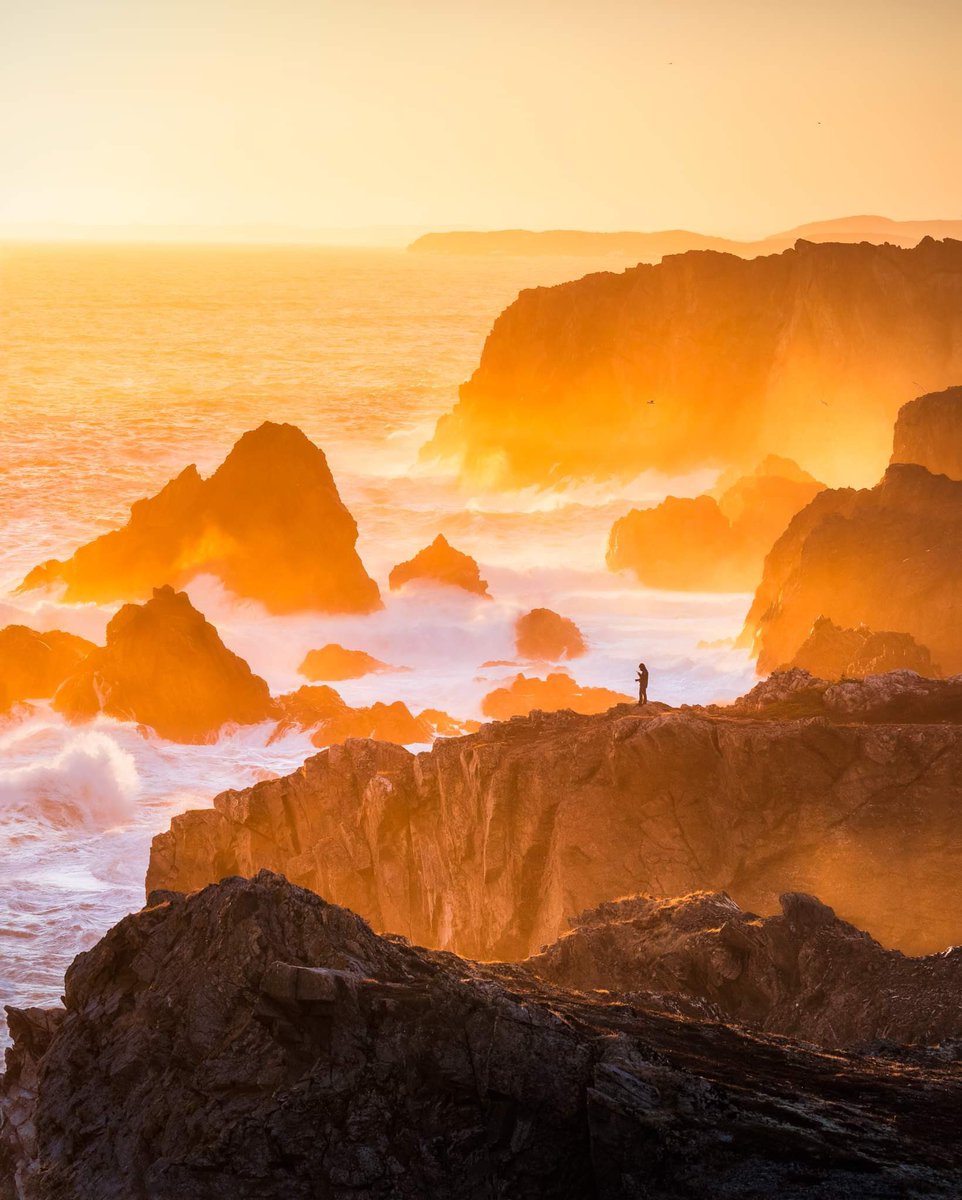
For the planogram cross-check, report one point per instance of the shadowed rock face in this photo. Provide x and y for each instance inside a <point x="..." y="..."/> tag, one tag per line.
<point x="166" y="667"/>
<point x="252" y="1042"/>
<point x="487" y="844"/>
<point x="557" y="692"/>
<point x="706" y="358"/>
<point x="333" y="663"/>
<point x="544" y="635"/>
<point x="708" y="544"/>
<point x="929" y="432"/>
<point x="886" y="557"/>
<point x="440" y="563"/>
<point x="33" y="665"/>
<point x="830" y="652"/>
<point x="803" y="973"/>
<point x="269" y="522"/>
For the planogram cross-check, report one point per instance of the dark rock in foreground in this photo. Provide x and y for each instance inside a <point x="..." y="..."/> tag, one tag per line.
<point x="252" y="1042"/>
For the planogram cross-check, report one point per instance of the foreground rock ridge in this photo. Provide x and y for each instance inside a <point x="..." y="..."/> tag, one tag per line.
<point x="269" y="523"/>
<point x="707" y="358"/>
<point x="489" y="843"/>
<point x="253" y="1041"/>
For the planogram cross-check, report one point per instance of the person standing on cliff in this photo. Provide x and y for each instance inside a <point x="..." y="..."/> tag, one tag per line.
<point x="642" y="678"/>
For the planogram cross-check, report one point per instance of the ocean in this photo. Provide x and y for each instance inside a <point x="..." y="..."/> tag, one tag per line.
<point x="121" y="365"/>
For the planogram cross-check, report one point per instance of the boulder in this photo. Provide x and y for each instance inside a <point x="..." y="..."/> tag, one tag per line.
<point x="544" y="635"/>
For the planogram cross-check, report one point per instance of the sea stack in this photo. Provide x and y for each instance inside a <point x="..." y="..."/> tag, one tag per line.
<point x="440" y="563"/>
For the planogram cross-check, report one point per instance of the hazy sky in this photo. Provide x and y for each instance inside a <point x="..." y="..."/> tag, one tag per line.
<point x="730" y="116"/>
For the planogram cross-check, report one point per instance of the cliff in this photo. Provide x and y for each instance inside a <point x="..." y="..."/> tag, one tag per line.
<point x="928" y="431"/>
<point x="488" y="843"/>
<point x="165" y="666"/>
<point x="33" y="665"/>
<point x="886" y="557"/>
<point x="269" y="523"/>
<point x="253" y="1042"/>
<point x="706" y="544"/>
<point x="440" y="563"/>
<point x="710" y="359"/>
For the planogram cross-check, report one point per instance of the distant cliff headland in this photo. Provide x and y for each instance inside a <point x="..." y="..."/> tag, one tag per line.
<point x="649" y="247"/>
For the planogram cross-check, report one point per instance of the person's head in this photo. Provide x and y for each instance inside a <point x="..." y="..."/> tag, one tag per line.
<point x="641" y="666"/>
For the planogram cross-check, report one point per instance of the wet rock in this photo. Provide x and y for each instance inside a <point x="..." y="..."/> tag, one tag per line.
<point x="440" y="563"/>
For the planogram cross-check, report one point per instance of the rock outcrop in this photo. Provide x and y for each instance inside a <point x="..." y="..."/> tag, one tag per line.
<point x="928" y="431"/>
<point x="252" y="1042"/>
<point x="165" y="666"/>
<point x="333" y="663"/>
<point x="487" y="844"/>
<point x="269" y="523"/>
<point x="543" y="635"/>
<point x="706" y="358"/>
<point x="33" y="665"/>
<point x="332" y="721"/>
<point x="830" y="652"/>
<point x="440" y="563"/>
<point x="558" y="692"/>
<point x="886" y="557"/>
<point x="803" y="973"/>
<point x="707" y="544"/>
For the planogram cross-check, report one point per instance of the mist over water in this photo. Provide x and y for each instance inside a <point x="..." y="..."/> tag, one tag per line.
<point x="122" y="366"/>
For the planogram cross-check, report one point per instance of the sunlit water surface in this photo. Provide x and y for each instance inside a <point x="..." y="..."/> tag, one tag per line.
<point x="122" y="365"/>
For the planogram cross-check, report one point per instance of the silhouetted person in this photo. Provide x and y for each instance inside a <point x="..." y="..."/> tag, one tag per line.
<point x="642" y="678"/>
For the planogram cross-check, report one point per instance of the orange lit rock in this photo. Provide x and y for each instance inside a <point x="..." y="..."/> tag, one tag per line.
<point x="440" y="563"/>
<point x="166" y="667"/>
<point x="707" y="544"/>
<point x="708" y="359"/>
<point x="322" y="710"/>
<point x="830" y="652"/>
<point x="557" y="692"/>
<point x="269" y="522"/>
<point x="929" y="432"/>
<point x="543" y="634"/>
<point x="33" y="665"/>
<point x="334" y="663"/>
<point x="886" y="557"/>
<point x="444" y="725"/>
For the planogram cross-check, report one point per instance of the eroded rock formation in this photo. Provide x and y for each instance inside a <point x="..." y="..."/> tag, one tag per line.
<point x="558" y="691"/>
<point x="803" y="973"/>
<point x="252" y="1042"/>
<point x="830" y="652"/>
<point x="165" y="666"/>
<point x="322" y="710"/>
<point x="706" y="358"/>
<point x="269" y="522"/>
<point x="33" y="665"/>
<point x="440" y="563"/>
<point x="708" y="544"/>
<point x="543" y="635"/>
<point x="488" y="843"/>
<point x="333" y="663"/>
<point x="929" y="432"/>
<point x="886" y="557"/>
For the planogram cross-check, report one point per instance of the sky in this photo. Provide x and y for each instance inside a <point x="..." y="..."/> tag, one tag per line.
<point x="737" y="117"/>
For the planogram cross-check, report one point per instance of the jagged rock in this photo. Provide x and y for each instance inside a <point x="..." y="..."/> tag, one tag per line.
<point x="897" y="696"/>
<point x="805" y="973"/>
<point x="708" y="544"/>
<point x="333" y="721"/>
<point x="269" y="522"/>
<point x="544" y="635"/>
<point x="886" y="557"/>
<point x="830" y="652"/>
<point x="252" y="1042"/>
<point x="928" y="431"/>
<point x="332" y="663"/>
<point x="523" y="695"/>
<point x="165" y="666"/>
<point x="487" y="844"/>
<point x="708" y="359"/>
<point x="444" y="725"/>
<point x="33" y="665"/>
<point x="440" y="563"/>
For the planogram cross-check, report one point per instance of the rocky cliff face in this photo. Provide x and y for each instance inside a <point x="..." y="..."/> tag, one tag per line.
<point x="706" y="358"/>
<point x="830" y="652"/>
<point x="269" y="522"/>
<point x="33" y="665"/>
<point x="712" y="544"/>
<point x="487" y="844"/>
<point x="803" y="973"/>
<point x="166" y="667"/>
<point x="929" y="432"/>
<point x="886" y="557"/>
<point x="252" y="1042"/>
<point x="440" y="563"/>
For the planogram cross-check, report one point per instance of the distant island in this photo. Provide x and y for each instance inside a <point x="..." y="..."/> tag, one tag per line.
<point x="653" y="246"/>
